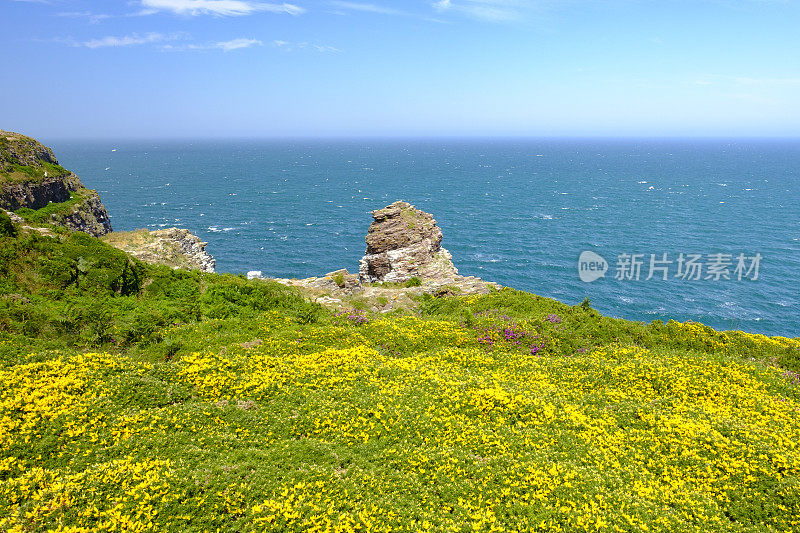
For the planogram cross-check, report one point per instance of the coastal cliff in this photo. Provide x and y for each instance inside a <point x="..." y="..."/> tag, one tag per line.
<point x="39" y="190"/>
<point x="214" y="402"/>
<point x="38" y="193"/>
<point x="174" y="247"/>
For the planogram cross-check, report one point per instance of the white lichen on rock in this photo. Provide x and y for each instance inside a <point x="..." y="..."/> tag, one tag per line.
<point x="404" y="242"/>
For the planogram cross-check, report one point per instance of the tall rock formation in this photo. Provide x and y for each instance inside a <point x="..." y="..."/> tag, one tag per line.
<point x="404" y="242"/>
<point x="31" y="178"/>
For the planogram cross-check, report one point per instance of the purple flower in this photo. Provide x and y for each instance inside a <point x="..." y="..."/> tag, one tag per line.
<point x="535" y="348"/>
<point x="555" y="319"/>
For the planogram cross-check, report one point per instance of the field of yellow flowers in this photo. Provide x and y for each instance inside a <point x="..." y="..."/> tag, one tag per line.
<point x="465" y="420"/>
<point x="138" y="398"/>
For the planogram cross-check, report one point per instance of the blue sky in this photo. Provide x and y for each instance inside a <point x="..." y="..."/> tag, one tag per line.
<point x="320" y="68"/>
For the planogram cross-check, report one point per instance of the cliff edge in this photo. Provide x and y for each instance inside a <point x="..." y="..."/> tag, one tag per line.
<point x="174" y="247"/>
<point x="39" y="190"/>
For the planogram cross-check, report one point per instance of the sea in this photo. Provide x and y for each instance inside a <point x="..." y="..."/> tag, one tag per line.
<point x="694" y="229"/>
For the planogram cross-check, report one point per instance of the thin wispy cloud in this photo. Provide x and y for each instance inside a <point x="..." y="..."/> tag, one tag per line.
<point x="225" y="46"/>
<point x="289" y="47"/>
<point x="93" y="18"/>
<point x="368" y="8"/>
<point x="217" y="7"/>
<point x="488" y="10"/>
<point x="236" y="44"/>
<point x="133" y="39"/>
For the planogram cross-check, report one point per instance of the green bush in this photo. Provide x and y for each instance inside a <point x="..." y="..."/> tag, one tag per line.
<point x="7" y="226"/>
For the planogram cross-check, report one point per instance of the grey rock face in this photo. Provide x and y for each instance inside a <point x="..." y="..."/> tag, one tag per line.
<point x="89" y="216"/>
<point x="36" y="195"/>
<point x="404" y="242"/>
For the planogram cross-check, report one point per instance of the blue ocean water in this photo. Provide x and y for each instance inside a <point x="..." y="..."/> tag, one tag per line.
<point x="519" y="212"/>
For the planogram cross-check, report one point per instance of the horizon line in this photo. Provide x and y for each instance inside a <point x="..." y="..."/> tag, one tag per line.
<point x="284" y="138"/>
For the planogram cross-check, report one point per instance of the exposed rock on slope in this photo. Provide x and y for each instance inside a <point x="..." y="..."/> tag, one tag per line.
<point x="37" y="194"/>
<point x="404" y="242"/>
<point x="174" y="247"/>
<point x="32" y="179"/>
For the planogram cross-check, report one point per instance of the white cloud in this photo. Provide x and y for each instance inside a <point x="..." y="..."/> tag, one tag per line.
<point x="289" y="47"/>
<point x="368" y="8"/>
<point x="94" y="18"/>
<point x="218" y="7"/>
<point x="226" y="46"/>
<point x="235" y="44"/>
<point x="127" y="40"/>
<point x="489" y="10"/>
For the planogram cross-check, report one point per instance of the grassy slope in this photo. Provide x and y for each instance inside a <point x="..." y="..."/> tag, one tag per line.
<point x="14" y="146"/>
<point x="13" y="172"/>
<point x="140" y="397"/>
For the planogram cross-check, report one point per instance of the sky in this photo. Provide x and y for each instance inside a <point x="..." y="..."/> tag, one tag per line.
<point x="387" y="68"/>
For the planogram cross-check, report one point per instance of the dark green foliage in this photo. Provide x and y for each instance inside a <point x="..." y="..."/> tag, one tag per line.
<point x="145" y="391"/>
<point x="7" y="227"/>
<point x="231" y="296"/>
<point x="81" y="292"/>
<point x="85" y="263"/>
<point x="413" y="282"/>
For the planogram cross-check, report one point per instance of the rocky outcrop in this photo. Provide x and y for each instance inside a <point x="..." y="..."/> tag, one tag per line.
<point x="404" y="242"/>
<point x="21" y="150"/>
<point x="37" y="194"/>
<point x="174" y="247"/>
<point x="337" y="282"/>
<point x="88" y="215"/>
<point x="30" y="177"/>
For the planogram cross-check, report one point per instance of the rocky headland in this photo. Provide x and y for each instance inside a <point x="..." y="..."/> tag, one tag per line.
<point x="404" y="242"/>
<point x="404" y="259"/>
<point x="41" y="195"/>
<point x="39" y="190"/>
<point x="174" y="247"/>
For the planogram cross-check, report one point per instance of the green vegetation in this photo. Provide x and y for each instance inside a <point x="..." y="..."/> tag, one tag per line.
<point x="7" y="227"/>
<point x="13" y="173"/>
<point x="414" y="281"/>
<point x="54" y="211"/>
<point x="338" y="279"/>
<point x="14" y="148"/>
<point x="137" y="397"/>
